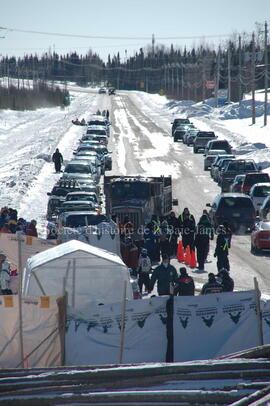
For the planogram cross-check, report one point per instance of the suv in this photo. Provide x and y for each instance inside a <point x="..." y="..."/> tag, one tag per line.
<point x="258" y="193"/>
<point x="252" y="178"/>
<point x="265" y="209"/>
<point x="202" y="139"/>
<point x="179" y="121"/>
<point x="236" y="167"/>
<point x="218" y="144"/>
<point x="180" y="131"/>
<point x="236" y="209"/>
<point x="219" y="163"/>
<point x="211" y="156"/>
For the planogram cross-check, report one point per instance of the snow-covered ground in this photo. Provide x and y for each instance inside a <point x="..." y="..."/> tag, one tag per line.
<point x="28" y="139"/>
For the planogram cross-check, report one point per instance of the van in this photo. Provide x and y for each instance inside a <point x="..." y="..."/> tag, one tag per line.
<point x="234" y="208"/>
<point x="218" y="144"/>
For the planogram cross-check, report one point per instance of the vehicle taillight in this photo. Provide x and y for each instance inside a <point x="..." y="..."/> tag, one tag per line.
<point x="254" y="214"/>
<point x="246" y="189"/>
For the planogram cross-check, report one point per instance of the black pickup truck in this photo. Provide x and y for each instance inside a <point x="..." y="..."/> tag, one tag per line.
<point x="236" y="167"/>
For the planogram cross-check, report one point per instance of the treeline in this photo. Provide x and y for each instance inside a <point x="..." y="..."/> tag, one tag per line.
<point x="39" y="95"/>
<point x="183" y="74"/>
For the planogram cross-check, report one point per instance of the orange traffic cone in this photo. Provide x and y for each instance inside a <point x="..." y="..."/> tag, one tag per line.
<point x="193" y="261"/>
<point x="180" y="252"/>
<point x="187" y="256"/>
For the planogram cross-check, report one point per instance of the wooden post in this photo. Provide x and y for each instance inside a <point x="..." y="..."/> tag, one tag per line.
<point x="258" y="311"/>
<point x="62" y="314"/>
<point x="73" y="282"/>
<point x="20" y="298"/>
<point x="122" y="332"/>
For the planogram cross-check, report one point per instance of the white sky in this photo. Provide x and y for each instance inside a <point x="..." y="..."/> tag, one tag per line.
<point x="123" y="18"/>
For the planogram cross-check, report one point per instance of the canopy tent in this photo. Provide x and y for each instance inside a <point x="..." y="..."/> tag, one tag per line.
<point x="86" y="273"/>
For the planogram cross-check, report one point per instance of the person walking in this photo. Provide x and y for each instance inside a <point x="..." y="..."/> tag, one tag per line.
<point x="164" y="238"/>
<point x="184" y="285"/>
<point x="143" y="270"/>
<point x="57" y="159"/>
<point x="212" y="286"/>
<point x="174" y="226"/>
<point x="222" y="249"/>
<point x="4" y="275"/>
<point x="187" y="228"/>
<point x="150" y="242"/>
<point x="204" y="232"/>
<point x="165" y="274"/>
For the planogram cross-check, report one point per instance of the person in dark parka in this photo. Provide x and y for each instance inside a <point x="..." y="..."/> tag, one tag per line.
<point x="57" y="159"/>
<point x="227" y="282"/>
<point x="184" y="285"/>
<point x="212" y="286"/>
<point x="187" y="227"/>
<point x="165" y="275"/>
<point x="204" y="233"/>
<point x="222" y="249"/>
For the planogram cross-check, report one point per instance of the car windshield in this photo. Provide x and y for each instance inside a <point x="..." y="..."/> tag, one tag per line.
<point x="130" y="189"/>
<point x="241" y="165"/>
<point x="97" y="122"/>
<point x="77" y="168"/>
<point x="261" y="191"/>
<point x="85" y="220"/>
<point x="82" y="197"/>
<point x="59" y="192"/>
<point x="235" y="203"/>
<point x="205" y="134"/>
<point x="256" y="178"/>
<point x="97" y="132"/>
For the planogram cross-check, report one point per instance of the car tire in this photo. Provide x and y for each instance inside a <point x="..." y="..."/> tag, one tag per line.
<point x="205" y="168"/>
<point x="195" y="150"/>
<point x="175" y="139"/>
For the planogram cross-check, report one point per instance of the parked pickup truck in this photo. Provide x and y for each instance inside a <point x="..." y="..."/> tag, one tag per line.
<point x="236" y="167"/>
<point x="202" y="139"/>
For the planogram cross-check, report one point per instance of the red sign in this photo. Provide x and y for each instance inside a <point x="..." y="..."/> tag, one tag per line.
<point x="210" y="84"/>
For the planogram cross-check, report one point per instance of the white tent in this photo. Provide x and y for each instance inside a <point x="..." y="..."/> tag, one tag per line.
<point x="88" y="274"/>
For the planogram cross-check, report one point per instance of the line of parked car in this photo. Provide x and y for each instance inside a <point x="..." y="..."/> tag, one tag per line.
<point x="244" y="201"/>
<point x="75" y="200"/>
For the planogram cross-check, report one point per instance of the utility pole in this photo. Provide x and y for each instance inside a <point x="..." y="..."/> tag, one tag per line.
<point x="253" y="85"/>
<point x="240" y="68"/>
<point x="229" y="73"/>
<point x="217" y="77"/>
<point x="153" y="44"/>
<point x="265" y="73"/>
<point x="203" y="78"/>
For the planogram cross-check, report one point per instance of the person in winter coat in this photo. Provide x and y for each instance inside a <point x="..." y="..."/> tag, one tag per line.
<point x="143" y="270"/>
<point x="222" y="249"/>
<point x="184" y="285"/>
<point x="174" y="226"/>
<point x="57" y="158"/>
<point x="226" y="281"/>
<point x="165" y="274"/>
<point x="164" y="238"/>
<point x="151" y="242"/>
<point x="187" y="228"/>
<point x="228" y="232"/>
<point x="4" y="275"/>
<point x="204" y="233"/>
<point x="129" y="253"/>
<point x="31" y="229"/>
<point x="212" y="286"/>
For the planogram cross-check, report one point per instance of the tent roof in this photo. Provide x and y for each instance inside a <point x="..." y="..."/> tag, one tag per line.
<point x="67" y="248"/>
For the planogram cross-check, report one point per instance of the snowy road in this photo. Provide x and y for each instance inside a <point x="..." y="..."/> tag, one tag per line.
<point x="141" y="144"/>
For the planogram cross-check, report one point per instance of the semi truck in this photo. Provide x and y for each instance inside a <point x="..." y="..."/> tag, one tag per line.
<point x="138" y="197"/>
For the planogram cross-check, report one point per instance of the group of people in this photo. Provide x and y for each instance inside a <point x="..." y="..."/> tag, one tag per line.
<point x="170" y="283"/>
<point x="160" y="239"/>
<point x="10" y="223"/>
<point x="9" y="280"/>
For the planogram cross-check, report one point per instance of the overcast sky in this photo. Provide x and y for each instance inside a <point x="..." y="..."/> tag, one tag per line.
<point x="123" y="18"/>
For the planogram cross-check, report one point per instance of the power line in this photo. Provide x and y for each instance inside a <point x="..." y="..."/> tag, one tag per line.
<point x="112" y="37"/>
